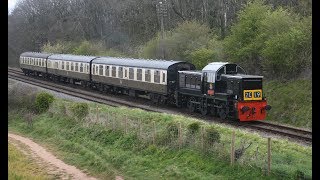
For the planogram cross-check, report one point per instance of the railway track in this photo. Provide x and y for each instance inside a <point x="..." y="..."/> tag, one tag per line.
<point x="293" y="132"/>
<point x="260" y="126"/>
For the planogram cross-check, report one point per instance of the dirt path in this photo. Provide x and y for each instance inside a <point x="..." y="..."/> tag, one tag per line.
<point x="63" y="170"/>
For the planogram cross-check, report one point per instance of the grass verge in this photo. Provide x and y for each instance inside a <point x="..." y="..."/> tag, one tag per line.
<point x="105" y="153"/>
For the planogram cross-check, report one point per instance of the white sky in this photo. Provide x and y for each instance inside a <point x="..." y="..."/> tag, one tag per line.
<point x="11" y="4"/>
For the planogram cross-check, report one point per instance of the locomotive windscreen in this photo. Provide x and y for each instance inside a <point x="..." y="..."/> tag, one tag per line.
<point x="252" y="84"/>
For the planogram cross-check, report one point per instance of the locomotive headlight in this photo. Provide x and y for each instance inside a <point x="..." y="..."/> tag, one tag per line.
<point x="245" y="109"/>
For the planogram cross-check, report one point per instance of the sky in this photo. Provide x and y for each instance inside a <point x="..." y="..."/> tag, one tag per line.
<point x="11" y="4"/>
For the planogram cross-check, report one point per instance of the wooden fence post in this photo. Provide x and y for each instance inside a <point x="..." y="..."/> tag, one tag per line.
<point x="269" y="155"/>
<point x="180" y="135"/>
<point x="154" y="132"/>
<point x="113" y="122"/>
<point x="97" y="112"/>
<point x="232" y="148"/>
<point x="126" y="124"/>
<point x="202" y="137"/>
<point x="139" y="128"/>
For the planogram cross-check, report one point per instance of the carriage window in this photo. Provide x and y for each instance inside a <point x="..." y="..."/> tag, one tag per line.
<point x="93" y="68"/>
<point x="114" y="71"/>
<point x="72" y="66"/>
<point x="188" y="81"/>
<point x="97" y="72"/>
<point x="76" y="67"/>
<point x="125" y="72"/>
<point x="101" y="70"/>
<point x="157" y="76"/>
<point x="62" y="65"/>
<point x="84" y="67"/>
<point x="87" y="68"/>
<point x="147" y="75"/>
<point x="81" y="67"/>
<point x="139" y="74"/>
<point x="56" y="65"/>
<point x="131" y="73"/>
<point x="49" y="64"/>
<point x="107" y="70"/>
<point x="120" y="69"/>
<point x="163" y="77"/>
<point x="67" y="66"/>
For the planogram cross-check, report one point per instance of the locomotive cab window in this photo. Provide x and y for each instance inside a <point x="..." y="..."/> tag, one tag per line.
<point x="221" y="71"/>
<point x="187" y="81"/>
<point x="198" y="82"/>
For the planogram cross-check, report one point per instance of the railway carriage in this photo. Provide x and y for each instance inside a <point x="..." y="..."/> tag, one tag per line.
<point x="155" y="78"/>
<point x="70" y="68"/>
<point x="34" y="63"/>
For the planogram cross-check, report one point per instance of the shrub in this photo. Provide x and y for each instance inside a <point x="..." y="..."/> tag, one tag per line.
<point x="179" y="42"/>
<point x="80" y="110"/>
<point x="212" y="135"/>
<point x="43" y="101"/>
<point x="193" y="127"/>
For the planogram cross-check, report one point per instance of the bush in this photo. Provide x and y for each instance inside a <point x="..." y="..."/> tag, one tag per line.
<point x="62" y="47"/>
<point x="212" y="135"/>
<point x="43" y="101"/>
<point x="179" y="42"/>
<point x="80" y="110"/>
<point x="193" y="128"/>
<point x="201" y="57"/>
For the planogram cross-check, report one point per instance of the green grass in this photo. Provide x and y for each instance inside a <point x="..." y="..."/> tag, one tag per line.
<point x="106" y="153"/>
<point x="22" y="167"/>
<point x="291" y="102"/>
